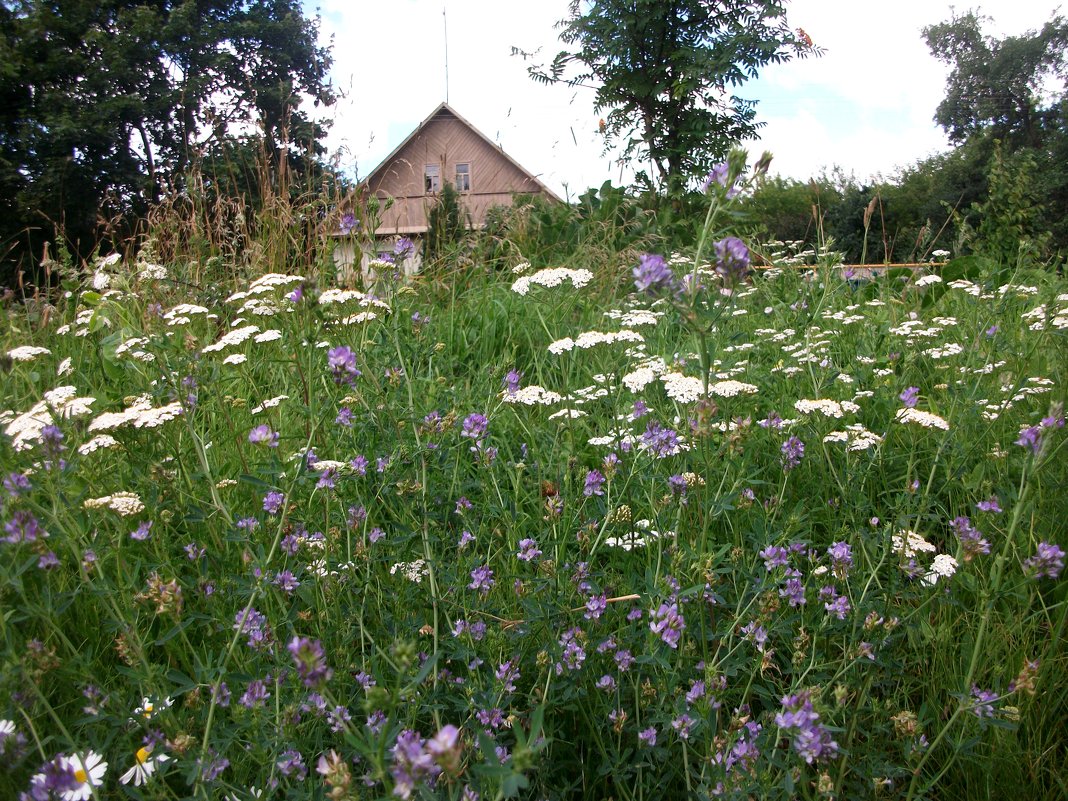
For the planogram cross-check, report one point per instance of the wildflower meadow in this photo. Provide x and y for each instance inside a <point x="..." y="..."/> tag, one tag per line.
<point x="633" y="526"/>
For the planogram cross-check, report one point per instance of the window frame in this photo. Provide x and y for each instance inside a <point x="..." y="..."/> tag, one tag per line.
<point x="466" y="174"/>
<point x="432" y="179"/>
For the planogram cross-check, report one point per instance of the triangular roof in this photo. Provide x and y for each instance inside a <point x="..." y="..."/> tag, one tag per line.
<point x="436" y="112"/>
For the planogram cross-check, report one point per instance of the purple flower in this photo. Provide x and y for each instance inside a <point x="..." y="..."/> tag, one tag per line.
<point x="465" y="538"/>
<point x="404" y="248"/>
<point x="247" y="524"/>
<point x="141" y="532"/>
<point x="989" y="505"/>
<point x="771" y="421"/>
<point x="344" y="417"/>
<point x="838" y="605"/>
<point x="272" y="502"/>
<point x="48" y="560"/>
<point x="624" y="659"/>
<point x="639" y="411"/>
<point x="652" y="274"/>
<point x="255" y="626"/>
<point x="648" y="736"/>
<point x="971" y="539"/>
<point x="348" y="224"/>
<point x="910" y="397"/>
<point x="310" y="659"/>
<point x="263" y="434"/>
<point x="668" y="624"/>
<point x="481" y="579"/>
<point x="794" y="591"/>
<point x="775" y="556"/>
<point x="811" y="740"/>
<point x="732" y="258"/>
<point x="792" y="452"/>
<point x="255" y="695"/>
<point x="528" y="550"/>
<point x="511" y="381"/>
<point x="193" y="551"/>
<point x="412" y="763"/>
<point x="23" y="527"/>
<point x="594" y="483"/>
<point x="292" y="764"/>
<point x="606" y="683"/>
<point x="1031" y="438"/>
<point x="342" y="363"/>
<point x="595" y="607"/>
<point x="696" y="691"/>
<point x="16" y="484"/>
<point x="660" y="441"/>
<point x="1048" y="561"/>
<point x="682" y="725"/>
<point x="983" y="702"/>
<point x="756" y="634"/>
<point x="841" y="558"/>
<point x="474" y="426"/>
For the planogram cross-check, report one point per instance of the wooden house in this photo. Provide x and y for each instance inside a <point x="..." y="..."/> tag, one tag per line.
<point x="444" y="147"/>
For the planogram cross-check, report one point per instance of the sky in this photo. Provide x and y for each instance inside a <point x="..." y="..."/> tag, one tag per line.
<point x="866" y="106"/>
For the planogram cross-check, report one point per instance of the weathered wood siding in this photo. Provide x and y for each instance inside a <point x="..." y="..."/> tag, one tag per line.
<point x="446" y="141"/>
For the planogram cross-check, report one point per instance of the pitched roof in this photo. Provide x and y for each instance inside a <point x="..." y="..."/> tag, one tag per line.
<point x="499" y="148"/>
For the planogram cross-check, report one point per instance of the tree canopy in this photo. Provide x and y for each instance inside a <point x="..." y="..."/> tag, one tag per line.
<point x="666" y="72"/>
<point x="106" y="103"/>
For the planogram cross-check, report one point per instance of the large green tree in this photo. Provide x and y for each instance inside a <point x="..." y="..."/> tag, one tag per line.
<point x="666" y="72"/>
<point x="104" y="104"/>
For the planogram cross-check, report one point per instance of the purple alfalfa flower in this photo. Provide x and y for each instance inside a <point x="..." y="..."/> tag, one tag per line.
<point x="16" y="483"/>
<point x="595" y="607"/>
<point x="286" y="581"/>
<point x="255" y="694"/>
<point x="668" y="624"/>
<point x="639" y="411"/>
<point x="262" y="435"/>
<point x="296" y="295"/>
<point x="292" y="765"/>
<point x="910" y="397"/>
<point x="23" y="527"/>
<point x="511" y="381"/>
<point x="811" y="740"/>
<point x="983" y="702"/>
<point x="375" y="534"/>
<point x="652" y="275"/>
<point x="213" y="767"/>
<point x="594" y="483"/>
<point x="310" y="660"/>
<point x="412" y="763"/>
<point x="492" y="718"/>
<point x="1048" y="562"/>
<point x="793" y="591"/>
<point x="507" y="674"/>
<point x="254" y="625"/>
<point x="345" y="417"/>
<point x="466" y="537"/>
<point x="327" y="479"/>
<point x="248" y="524"/>
<point x="48" y="560"/>
<point x="773" y="421"/>
<point x="342" y="363"/>
<point x="474" y="426"/>
<point x="719" y="176"/>
<point x="756" y="634"/>
<point x="989" y="505"/>
<point x="573" y="653"/>
<point x="624" y="659"/>
<point x="647" y="737"/>
<point x="841" y="558"/>
<point x="348" y="224"/>
<point x="835" y="604"/>
<point x="273" y="502"/>
<point x="696" y="692"/>
<point x="56" y="779"/>
<point x="1031" y="438"/>
<point x="677" y="484"/>
<point x="971" y="539"/>
<point x="446" y="748"/>
<point x="141" y="533"/>
<point x="528" y="550"/>
<point x="481" y="579"/>
<point x="732" y="258"/>
<point x="682" y="726"/>
<point x="775" y="556"/>
<point x="606" y="683"/>
<point x="403" y="248"/>
<point x="659" y="441"/>
<point x="793" y="450"/>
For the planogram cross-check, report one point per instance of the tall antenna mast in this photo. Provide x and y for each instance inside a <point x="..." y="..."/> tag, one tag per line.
<point x="445" y="26"/>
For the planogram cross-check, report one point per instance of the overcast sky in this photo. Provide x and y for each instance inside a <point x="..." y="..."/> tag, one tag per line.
<point x="865" y="106"/>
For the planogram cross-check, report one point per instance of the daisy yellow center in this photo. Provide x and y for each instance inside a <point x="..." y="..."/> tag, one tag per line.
<point x="142" y="755"/>
<point x="81" y="776"/>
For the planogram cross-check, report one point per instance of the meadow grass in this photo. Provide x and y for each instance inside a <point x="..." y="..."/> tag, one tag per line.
<point x="537" y="533"/>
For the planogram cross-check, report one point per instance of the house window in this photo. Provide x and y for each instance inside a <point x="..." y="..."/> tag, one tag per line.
<point x="432" y="178"/>
<point x="463" y="177"/>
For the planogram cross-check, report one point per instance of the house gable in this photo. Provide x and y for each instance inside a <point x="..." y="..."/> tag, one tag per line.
<point x="443" y="141"/>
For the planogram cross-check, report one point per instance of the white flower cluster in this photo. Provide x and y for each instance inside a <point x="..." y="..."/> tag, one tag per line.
<point x="99" y="442"/>
<point x="730" y="388"/>
<point x="551" y="277"/>
<point x="826" y="407"/>
<point x="642" y="536"/>
<point x="27" y="353"/>
<point x="951" y="349"/>
<point x="587" y="339"/>
<point x="929" y="279"/>
<point x="413" y="571"/>
<point x="533" y="395"/>
<point x="268" y="404"/>
<point x="920" y="417"/>
<point x="908" y="543"/>
<point x="943" y="566"/>
<point x="122" y="503"/>
<point x="682" y="388"/>
<point x="141" y="414"/>
<point x="265" y="283"/>
<point x="232" y="338"/>
<point x="25" y="429"/>
<point x="133" y="347"/>
<point x="856" y="437"/>
<point x="635" y="317"/>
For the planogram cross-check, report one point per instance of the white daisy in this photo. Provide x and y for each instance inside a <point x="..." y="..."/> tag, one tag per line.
<point x="149" y="708"/>
<point x="143" y="767"/>
<point x="88" y="773"/>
